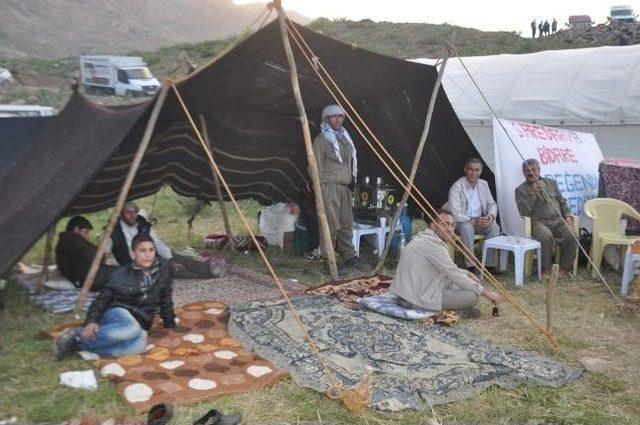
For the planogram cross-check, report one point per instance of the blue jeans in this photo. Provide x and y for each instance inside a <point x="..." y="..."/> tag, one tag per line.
<point x="120" y="334"/>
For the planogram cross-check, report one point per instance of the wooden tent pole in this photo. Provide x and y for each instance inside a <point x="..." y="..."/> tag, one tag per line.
<point x="550" y="294"/>
<point x="48" y="248"/>
<point x="122" y="197"/>
<point x="216" y="180"/>
<point x="311" y="159"/>
<point x="416" y="163"/>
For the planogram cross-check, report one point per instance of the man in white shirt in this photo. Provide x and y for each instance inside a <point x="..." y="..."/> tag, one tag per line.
<point x="131" y="224"/>
<point x="473" y="207"/>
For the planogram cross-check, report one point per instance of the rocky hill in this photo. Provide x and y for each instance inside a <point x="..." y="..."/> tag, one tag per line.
<point x="55" y="29"/>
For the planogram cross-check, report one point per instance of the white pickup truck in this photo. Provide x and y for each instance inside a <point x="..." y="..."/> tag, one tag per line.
<point x="119" y="75"/>
<point x="622" y="13"/>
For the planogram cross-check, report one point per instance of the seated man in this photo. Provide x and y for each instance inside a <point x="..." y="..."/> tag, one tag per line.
<point x="540" y="199"/>
<point x="74" y="254"/>
<point x="473" y="208"/>
<point x="427" y="278"/>
<point x="118" y="320"/>
<point x="132" y="224"/>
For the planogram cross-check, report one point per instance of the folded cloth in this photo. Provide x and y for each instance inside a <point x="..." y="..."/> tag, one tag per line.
<point x="81" y="379"/>
<point x="387" y="304"/>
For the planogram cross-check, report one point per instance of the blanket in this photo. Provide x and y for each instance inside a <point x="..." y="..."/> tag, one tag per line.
<point x="413" y="364"/>
<point x="196" y="360"/>
<point x="350" y="290"/>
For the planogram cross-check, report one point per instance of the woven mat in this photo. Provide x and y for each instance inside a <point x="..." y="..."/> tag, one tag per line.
<point x="350" y="290"/>
<point x="239" y="286"/>
<point x="196" y="360"/>
<point x="413" y="365"/>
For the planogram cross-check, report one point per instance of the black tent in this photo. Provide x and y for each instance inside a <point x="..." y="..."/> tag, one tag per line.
<point x="80" y="162"/>
<point x="16" y="135"/>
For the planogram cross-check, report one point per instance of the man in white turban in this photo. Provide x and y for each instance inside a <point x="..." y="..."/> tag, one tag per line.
<point x="338" y="168"/>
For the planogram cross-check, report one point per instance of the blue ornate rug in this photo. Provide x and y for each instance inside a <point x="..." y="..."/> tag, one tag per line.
<point x="414" y="364"/>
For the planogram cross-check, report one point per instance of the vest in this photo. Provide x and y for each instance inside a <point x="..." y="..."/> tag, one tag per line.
<point x="119" y="247"/>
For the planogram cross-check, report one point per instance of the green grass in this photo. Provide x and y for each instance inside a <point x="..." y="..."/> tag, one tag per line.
<point x="586" y="322"/>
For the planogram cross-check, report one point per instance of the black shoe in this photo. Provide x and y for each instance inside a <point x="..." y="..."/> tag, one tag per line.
<point x="160" y="414"/>
<point x="358" y="264"/>
<point x="66" y="345"/>
<point x="214" y="417"/>
<point x="472" y="269"/>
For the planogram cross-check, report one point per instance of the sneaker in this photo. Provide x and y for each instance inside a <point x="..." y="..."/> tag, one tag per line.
<point x="66" y="345"/>
<point x="160" y="414"/>
<point x="358" y="264"/>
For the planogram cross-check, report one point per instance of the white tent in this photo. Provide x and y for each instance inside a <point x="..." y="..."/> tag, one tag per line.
<point x="594" y="90"/>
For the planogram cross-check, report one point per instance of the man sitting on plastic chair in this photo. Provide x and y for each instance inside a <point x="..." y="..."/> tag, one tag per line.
<point x="540" y="199"/>
<point x="474" y="209"/>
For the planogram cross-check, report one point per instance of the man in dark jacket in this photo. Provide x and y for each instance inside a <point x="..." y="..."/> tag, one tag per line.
<point x="118" y="320"/>
<point x="74" y="254"/>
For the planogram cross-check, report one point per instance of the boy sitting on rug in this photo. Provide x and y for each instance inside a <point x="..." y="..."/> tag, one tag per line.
<point x="118" y="320"/>
<point x="427" y="278"/>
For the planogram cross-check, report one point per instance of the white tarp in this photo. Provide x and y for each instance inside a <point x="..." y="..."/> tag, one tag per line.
<point x="569" y="157"/>
<point x="599" y="85"/>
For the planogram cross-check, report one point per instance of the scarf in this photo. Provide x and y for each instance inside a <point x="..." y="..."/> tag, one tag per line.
<point x="332" y="136"/>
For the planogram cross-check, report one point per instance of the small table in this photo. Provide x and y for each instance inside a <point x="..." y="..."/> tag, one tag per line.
<point x="630" y="259"/>
<point x="519" y="246"/>
<point x="360" y="230"/>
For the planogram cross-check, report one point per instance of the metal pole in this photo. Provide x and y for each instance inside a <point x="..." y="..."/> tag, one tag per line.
<point x="416" y="162"/>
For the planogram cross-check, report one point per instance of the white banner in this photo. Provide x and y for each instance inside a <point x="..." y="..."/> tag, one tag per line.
<point x="569" y="157"/>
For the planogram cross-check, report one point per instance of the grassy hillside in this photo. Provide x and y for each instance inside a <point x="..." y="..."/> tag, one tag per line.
<point x="46" y="82"/>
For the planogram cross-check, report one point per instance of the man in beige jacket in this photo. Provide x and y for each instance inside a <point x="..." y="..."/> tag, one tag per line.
<point x="427" y="277"/>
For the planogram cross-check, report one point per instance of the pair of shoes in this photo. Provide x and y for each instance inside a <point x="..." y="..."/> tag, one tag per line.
<point x="66" y="345"/>
<point x="215" y="417"/>
<point x="160" y="414"/>
<point x="358" y="264"/>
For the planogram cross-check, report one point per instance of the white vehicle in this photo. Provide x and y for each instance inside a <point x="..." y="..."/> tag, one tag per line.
<point x="5" y="77"/>
<point x="622" y="13"/>
<point x="26" y="111"/>
<point x="119" y="75"/>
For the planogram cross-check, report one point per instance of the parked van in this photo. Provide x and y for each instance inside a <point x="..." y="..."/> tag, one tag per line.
<point x="119" y="75"/>
<point x="622" y="13"/>
<point x="580" y="21"/>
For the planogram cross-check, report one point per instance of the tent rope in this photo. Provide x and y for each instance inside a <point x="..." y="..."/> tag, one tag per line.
<point x="334" y="383"/>
<point x="544" y="189"/>
<point x="423" y="203"/>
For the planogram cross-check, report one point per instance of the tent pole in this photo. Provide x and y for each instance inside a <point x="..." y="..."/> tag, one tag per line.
<point x="311" y="159"/>
<point x="48" y="246"/>
<point x="216" y="180"/>
<point x="122" y="197"/>
<point x="416" y="162"/>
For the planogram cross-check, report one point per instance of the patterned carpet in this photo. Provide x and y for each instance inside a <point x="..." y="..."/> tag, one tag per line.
<point x="192" y="362"/>
<point x="412" y="362"/>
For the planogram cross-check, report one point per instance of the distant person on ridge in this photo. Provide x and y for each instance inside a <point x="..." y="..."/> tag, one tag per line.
<point x="554" y="26"/>
<point x="534" y="25"/>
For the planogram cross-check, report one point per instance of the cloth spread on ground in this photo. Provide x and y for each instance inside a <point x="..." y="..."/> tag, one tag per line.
<point x="192" y="362"/>
<point x="238" y="286"/>
<point x="350" y="291"/>
<point x="413" y="364"/>
<point x="55" y="296"/>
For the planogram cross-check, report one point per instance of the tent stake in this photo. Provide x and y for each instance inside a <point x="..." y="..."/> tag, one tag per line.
<point x="311" y="159"/>
<point x="416" y="162"/>
<point x="48" y="247"/>
<point x="122" y="197"/>
<point x="216" y="180"/>
<point x="550" y="293"/>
